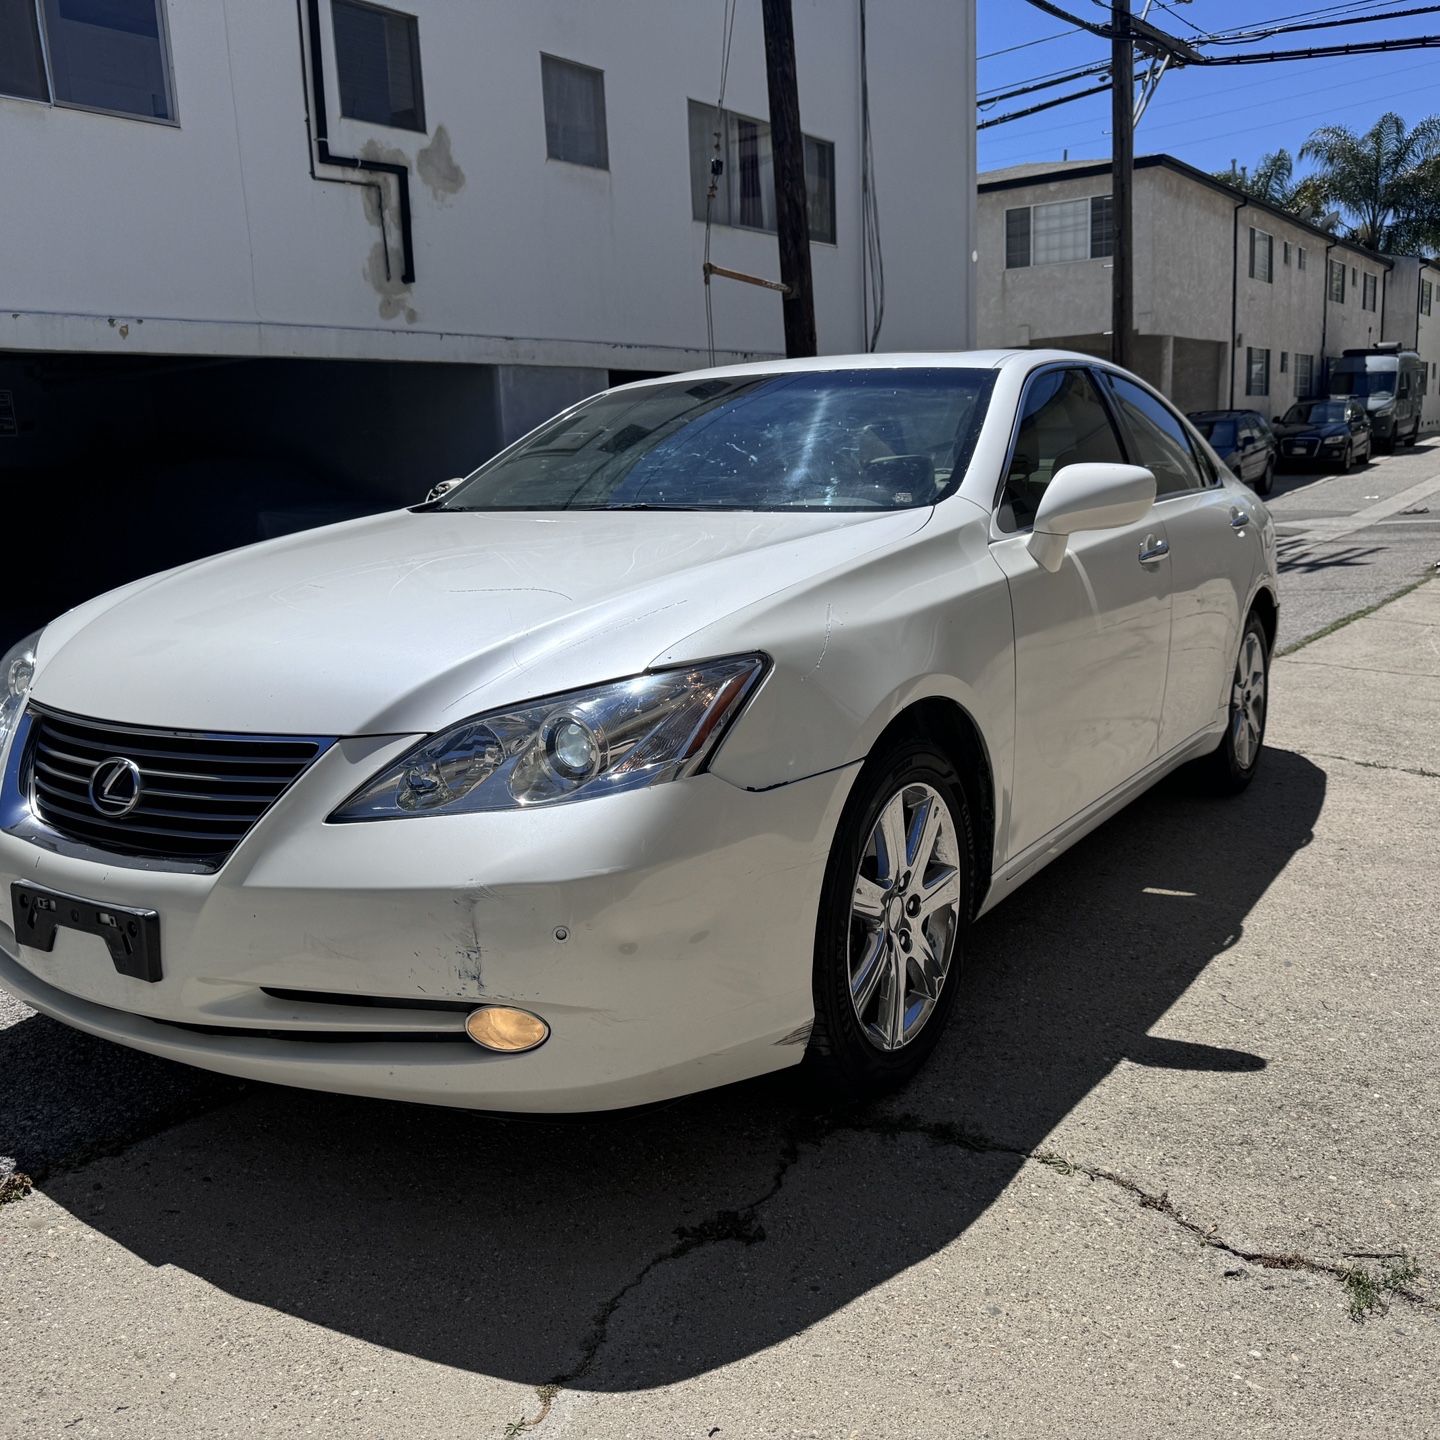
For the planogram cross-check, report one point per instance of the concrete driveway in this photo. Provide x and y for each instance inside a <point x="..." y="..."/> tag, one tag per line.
<point x="1170" y="1172"/>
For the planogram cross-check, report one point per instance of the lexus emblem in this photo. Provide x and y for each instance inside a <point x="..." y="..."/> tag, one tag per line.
<point x="115" y="786"/>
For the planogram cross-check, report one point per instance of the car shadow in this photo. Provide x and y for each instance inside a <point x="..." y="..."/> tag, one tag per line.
<point x="515" y="1249"/>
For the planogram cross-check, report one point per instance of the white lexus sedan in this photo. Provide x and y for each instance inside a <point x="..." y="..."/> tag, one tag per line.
<point x="680" y="742"/>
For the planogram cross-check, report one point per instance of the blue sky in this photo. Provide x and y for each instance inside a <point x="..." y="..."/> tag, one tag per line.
<point x="1206" y="117"/>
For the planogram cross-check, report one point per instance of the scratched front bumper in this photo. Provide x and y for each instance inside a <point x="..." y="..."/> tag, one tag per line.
<point x="666" y="936"/>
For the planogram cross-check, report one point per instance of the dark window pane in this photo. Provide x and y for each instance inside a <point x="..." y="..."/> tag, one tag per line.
<point x="820" y="188"/>
<point x="377" y="55"/>
<point x="1064" y="422"/>
<point x="109" y="54"/>
<point x="574" y="113"/>
<point x="1157" y="439"/>
<point x="22" y="67"/>
<point x="1017" y="238"/>
<point x="1102" y="226"/>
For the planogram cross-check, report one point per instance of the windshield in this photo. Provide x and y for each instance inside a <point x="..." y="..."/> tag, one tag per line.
<point x="1362" y="382"/>
<point x="814" y="440"/>
<point x="1315" y="412"/>
<point x="1220" y="433"/>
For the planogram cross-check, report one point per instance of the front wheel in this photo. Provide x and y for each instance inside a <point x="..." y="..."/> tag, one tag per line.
<point x="1233" y="763"/>
<point x="894" y="912"/>
<point x="1347" y="461"/>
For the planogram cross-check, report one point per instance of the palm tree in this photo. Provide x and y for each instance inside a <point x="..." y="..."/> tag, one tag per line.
<point x="1384" y="181"/>
<point x="1273" y="180"/>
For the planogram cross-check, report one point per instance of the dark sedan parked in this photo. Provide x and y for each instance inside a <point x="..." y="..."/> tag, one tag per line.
<point x="1244" y="440"/>
<point x="1324" y="432"/>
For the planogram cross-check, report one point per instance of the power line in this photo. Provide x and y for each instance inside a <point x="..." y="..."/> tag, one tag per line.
<point x="1265" y="34"/>
<point x="1025" y="45"/>
<point x="1030" y="89"/>
<point x="1044" y="105"/>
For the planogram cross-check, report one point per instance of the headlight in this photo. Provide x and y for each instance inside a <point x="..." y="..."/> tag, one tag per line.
<point x="17" y="670"/>
<point x="622" y="736"/>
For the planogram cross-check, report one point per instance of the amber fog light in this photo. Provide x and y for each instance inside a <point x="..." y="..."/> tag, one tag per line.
<point x="498" y="1027"/>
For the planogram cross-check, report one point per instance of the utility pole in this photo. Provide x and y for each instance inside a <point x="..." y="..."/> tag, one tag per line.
<point x="787" y="146"/>
<point x="1122" y="150"/>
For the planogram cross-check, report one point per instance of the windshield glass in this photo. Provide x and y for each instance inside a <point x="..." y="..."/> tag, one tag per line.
<point x="1220" y="433"/>
<point x="1316" y="412"/>
<point x="1362" y="382"/>
<point x="815" y="440"/>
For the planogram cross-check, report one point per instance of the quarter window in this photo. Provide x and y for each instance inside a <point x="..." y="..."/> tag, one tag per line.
<point x="1060" y="231"/>
<point x="1063" y="422"/>
<point x="574" y="113"/>
<point x="745" y="188"/>
<point x="1157" y="439"/>
<point x="377" y="56"/>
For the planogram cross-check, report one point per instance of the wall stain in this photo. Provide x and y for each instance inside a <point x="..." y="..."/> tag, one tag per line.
<point x="437" y="168"/>
<point x="384" y="214"/>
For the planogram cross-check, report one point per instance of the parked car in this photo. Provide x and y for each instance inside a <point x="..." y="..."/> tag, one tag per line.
<point x="1324" y="432"/>
<point x="1390" y="383"/>
<point x="681" y="741"/>
<point x="1244" y="440"/>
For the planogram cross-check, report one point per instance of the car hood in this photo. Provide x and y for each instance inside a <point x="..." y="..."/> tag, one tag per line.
<point x="406" y="622"/>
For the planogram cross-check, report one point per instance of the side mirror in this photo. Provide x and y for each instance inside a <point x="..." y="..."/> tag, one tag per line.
<point x="1088" y="497"/>
<point x="443" y="488"/>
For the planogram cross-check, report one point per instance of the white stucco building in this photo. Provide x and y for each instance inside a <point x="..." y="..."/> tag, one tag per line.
<point x="1237" y="303"/>
<point x="334" y="251"/>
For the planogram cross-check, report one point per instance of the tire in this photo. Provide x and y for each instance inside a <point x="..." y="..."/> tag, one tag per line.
<point x="1232" y="764"/>
<point x="1267" y="480"/>
<point x="853" y="1051"/>
<point x="1348" y="463"/>
<point x="1415" y="433"/>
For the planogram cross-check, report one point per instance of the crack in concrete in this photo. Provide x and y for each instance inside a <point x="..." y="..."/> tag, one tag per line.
<point x="1378" y="765"/>
<point x="743" y="1224"/>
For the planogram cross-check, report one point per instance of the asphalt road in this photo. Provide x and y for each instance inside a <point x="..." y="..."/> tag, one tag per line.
<point x="1191" y="1086"/>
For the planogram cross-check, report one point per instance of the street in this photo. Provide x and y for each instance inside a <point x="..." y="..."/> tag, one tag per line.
<point x="1173" y="1169"/>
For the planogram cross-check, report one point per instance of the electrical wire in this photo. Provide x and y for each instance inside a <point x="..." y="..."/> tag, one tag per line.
<point x="1025" y="45"/>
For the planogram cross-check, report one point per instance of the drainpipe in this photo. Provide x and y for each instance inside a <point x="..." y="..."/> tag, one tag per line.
<point x="323" y="153"/>
<point x="1325" y="316"/>
<point x="1235" y="292"/>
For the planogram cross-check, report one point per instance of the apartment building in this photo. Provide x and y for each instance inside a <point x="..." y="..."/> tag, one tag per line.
<point x="1237" y="303"/>
<point x="270" y="261"/>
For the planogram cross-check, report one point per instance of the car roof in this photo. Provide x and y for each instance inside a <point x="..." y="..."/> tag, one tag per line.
<point x="883" y="360"/>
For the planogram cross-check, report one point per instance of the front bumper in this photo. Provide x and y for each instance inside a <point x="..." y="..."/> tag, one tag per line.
<point x="687" y="913"/>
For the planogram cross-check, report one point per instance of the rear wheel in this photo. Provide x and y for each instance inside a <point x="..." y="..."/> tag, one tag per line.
<point x="1232" y="764"/>
<point x="894" y="912"/>
<point x="1267" y="480"/>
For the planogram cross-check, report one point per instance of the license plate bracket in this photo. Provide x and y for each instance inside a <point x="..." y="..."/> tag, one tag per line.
<point x="132" y="936"/>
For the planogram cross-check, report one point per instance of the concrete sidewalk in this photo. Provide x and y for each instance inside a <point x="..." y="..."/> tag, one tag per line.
<point x="1192" y="1082"/>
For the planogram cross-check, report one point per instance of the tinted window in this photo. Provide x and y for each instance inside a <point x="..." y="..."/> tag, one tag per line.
<point x="819" y="440"/>
<point x="377" y="55"/>
<point x="109" y="55"/>
<point x="1157" y="439"/>
<point x="1220" y="433"/>
<point x="1063" y="421"/>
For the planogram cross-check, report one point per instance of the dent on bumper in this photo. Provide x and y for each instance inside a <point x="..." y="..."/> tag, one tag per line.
<point x="665" y="935"/>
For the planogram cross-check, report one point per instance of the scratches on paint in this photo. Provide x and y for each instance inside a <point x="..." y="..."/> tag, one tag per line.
<point x="824" y="644"/>
<point x="436" y="166"/>
<point x="798" y="1036"/>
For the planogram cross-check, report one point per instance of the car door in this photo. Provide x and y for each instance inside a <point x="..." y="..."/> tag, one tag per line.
<point x="1213" y="555"/>
<point x="1091" y="640"/>
<point x="1252" y="453"/>
<point x="1359" y="423"/>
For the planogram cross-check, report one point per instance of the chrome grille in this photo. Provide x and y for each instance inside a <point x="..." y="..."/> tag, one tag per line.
<point x="199" y="794"/>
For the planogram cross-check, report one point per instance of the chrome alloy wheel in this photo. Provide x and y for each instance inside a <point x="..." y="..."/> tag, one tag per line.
<point x="1247" y="701"/>
<point x="904" y="915"/>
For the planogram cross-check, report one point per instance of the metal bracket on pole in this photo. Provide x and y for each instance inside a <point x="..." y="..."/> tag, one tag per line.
<point x="709" y="270"/>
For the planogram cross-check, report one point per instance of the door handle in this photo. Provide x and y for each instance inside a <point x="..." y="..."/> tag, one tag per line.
<point x="1153" y="550"/>
<point x="1239" y="518"/>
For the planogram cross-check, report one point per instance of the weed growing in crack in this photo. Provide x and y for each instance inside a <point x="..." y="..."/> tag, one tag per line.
<point x="1368" y="1292"/>
<point x="15" y="1187"/>
<point x="1056" y="1162"/>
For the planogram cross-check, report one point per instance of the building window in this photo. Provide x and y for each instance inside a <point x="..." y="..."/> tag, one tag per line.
<point x="1354" y="278"/>
<point x="1061" y="231"/>
<point x="108" y="55"/>
<point x="1257" y="371"/>
<point x="574" y="113"/>
<point x="1367" y="296"/>
<point x="745" y="189"/>
<point x="1262" y="255"/>
<point x="1299" y="257"/>
<point x="1304" y="375"/>
<point x="1426" y="296"/>
<point x="22" y="61"/>
<point x="1284" y="361"/>
<point x="1337" y="282"/>
<point x="377" y="56"/>
<point x="1287" y="252"/>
